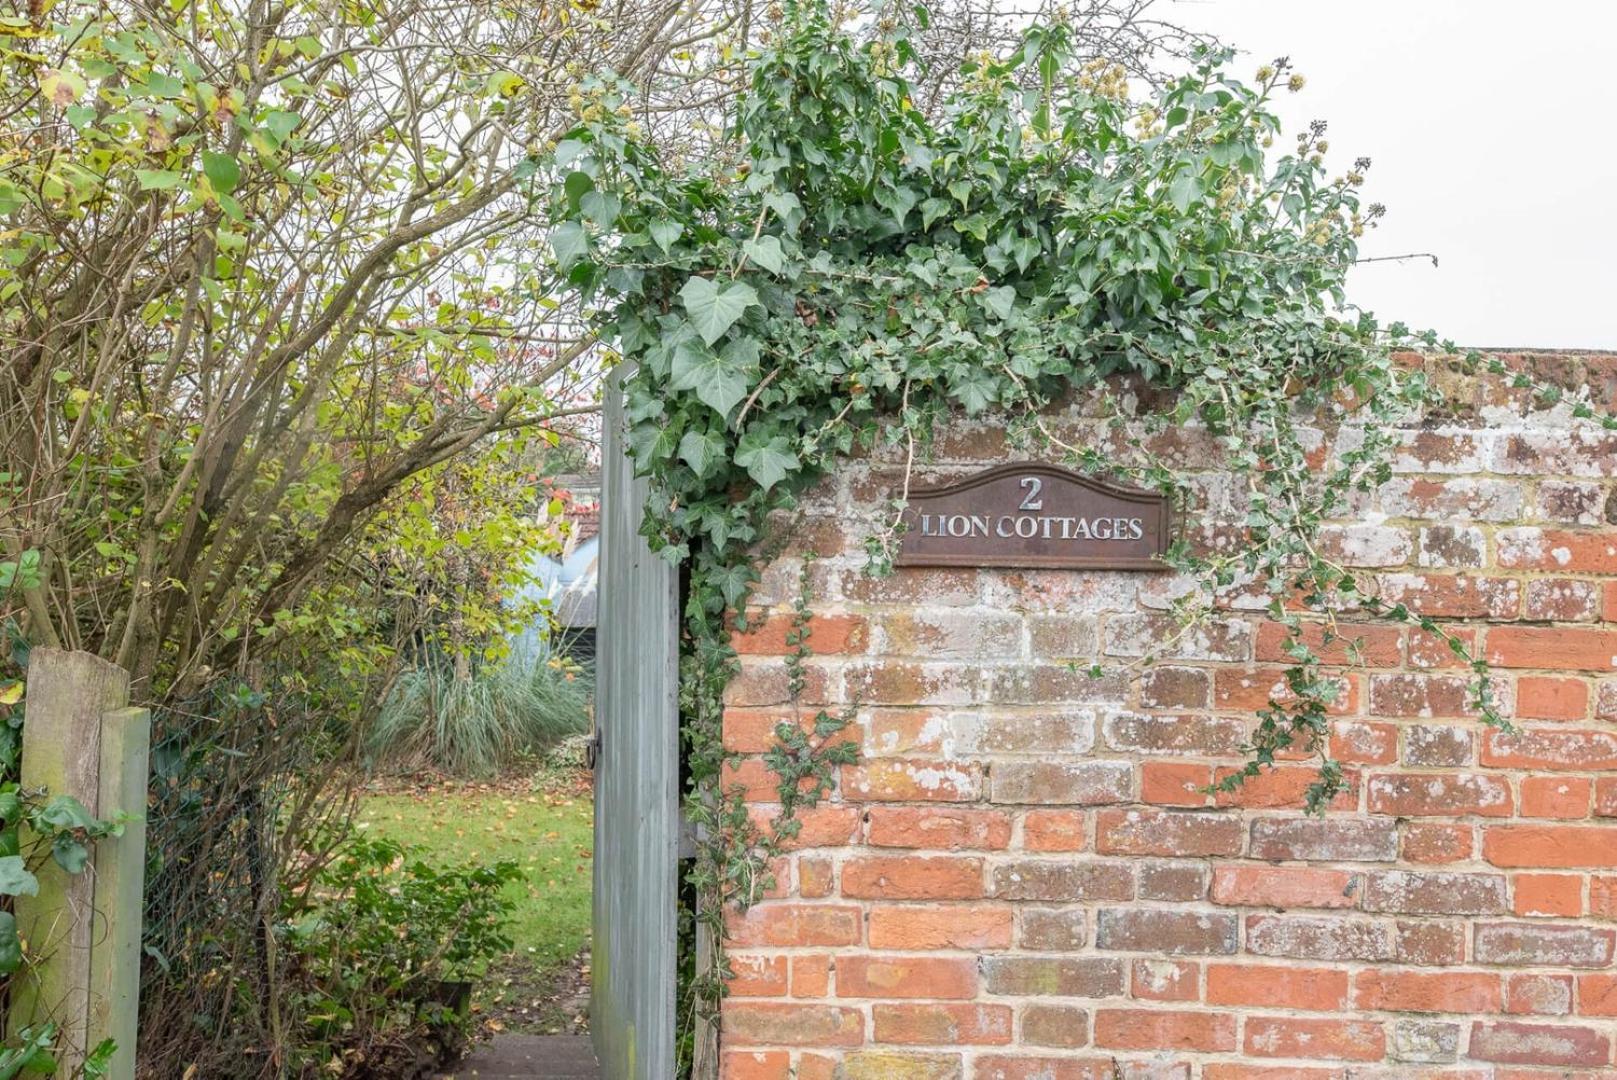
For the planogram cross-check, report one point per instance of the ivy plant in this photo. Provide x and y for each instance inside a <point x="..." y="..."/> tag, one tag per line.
<point x="857" y="272"/>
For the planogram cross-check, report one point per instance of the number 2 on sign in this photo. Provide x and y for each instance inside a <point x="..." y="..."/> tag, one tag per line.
<point x="1033" y="485"/>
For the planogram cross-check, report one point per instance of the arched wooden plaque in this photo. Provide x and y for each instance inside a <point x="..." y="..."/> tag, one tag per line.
<point x="1037" y="516"/>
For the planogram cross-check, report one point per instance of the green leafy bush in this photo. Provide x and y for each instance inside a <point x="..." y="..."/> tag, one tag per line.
<point x="385" y="949"/>
<point x="477" y="721"/>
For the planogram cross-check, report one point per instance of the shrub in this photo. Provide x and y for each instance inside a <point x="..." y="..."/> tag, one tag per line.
<point x="477" y="721"/>
<point x="385" y="950"/>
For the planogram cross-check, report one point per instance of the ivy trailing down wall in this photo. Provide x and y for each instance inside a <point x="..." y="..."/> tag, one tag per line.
<point x="856" y="272"/>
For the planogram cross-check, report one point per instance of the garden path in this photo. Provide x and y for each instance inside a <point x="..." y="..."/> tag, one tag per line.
<point x="530" y="1057"/>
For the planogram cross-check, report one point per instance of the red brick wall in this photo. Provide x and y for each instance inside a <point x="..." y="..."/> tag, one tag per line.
<point x="1021" y="880"/>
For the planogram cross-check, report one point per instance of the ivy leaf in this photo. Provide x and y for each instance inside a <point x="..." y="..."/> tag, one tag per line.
<point x="601" y="208"/>
<point x="714" y="309"/>
<point x="702" y="450"/>
<point x="766" y="252"/>
<point x="70" y="854"/>
<point x="1184" y="190"/>
<point x="719" y="379"/>
<point x="222" y="170"/>
<point x="570" y="243"/>
<point x="784" y="204"/>
<point x="1000" y="300"/>
<point x="767" y="461"/>
<point x="15" y="878"/>
<point x="975" y="387"/>
<point x="665" y="232"/>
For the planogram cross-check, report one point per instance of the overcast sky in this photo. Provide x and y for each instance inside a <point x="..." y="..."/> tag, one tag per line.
<point x="1492" y="128"/>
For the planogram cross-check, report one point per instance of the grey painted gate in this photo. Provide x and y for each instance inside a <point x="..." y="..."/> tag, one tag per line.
<point x="636" y="780"/>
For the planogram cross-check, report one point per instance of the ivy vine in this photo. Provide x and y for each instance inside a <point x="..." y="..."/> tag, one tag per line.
<point x="856" y="273"/>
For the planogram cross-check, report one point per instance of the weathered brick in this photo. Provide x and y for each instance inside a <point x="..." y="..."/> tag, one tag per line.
<point x="1562" y="600"/>
<point x="1164" y="1029"/>
<point x="1046" y="731"/>
<point x="1173" y="881"/>
<point x="1556" y="550"/>
<point x="938" y="828"/>
<point x="1429" y="842"/>
<point x="1424" y="1041"/>
<point x="1464" y="498"/>
<point x="1548" y="894"/>
<point x="1406" y="892"/>
<point x="1201" y="736"/>
<point x="1542" y="944"/>
<point x="1176" y="688"/>
<point x="811" y="976"/>
<point x="795" y="924"/>
<point x="1165" y="980"/>
<point x="1283" y="786"/>
<point x="1166" y="832"/>
<point x="1175" y="783"/>
<point x="1517" y="1043"/>
<point x="948" y="634"/>
<point x="1284" y="887"/>
<point x="1364" y="545"/>
<point x="1434" y="992"/>
<point x="1046" y="879"/>
<point x="1055" y="830"/>
<point x="755" y="1065"/>
<point x="1420" y="695"/>
<point x="756" y="975"/>
<point x="1161" y="636"/>
<point x="1082" y="783"/>
<point x="905" y="780"/>
<point x="758" y="1023"/>
<point x="1451" y="547"/>
<point x="891" y="682"/>
<point x="1434" y="746"/>
<point x="895" y="1065"/>
<point x="1550" y="846"/>
<point x="1570" y="502"/>
<point x="1445" y="794"/>
<point x="1293" y="1037"/>
<point x="1538" y="994"/>
<point x="1573" y="749"/>
<point x="1540" y="697"/>
<point x="1055" y="1025"/>
<point x="825" y="634"/>
<point x="1454" y="596"/>
<point x="939" y="1024"/>
<point x="1357" y="742"/>
<point x="1597" y="995"/>
<point x="1277" y="987"/>
<point x="1053" y="976"/>
<point x="1368" y="644"/>
<point x="1063" y="637"/>
<point x="874" y="976"/>
<point x="1054" y="929"/>
<point x="1325" y="839"/>
<point x="1552" y="648"/>
<point x="1172" y="932"/>
<point x="1429" y="943"/>
<point x="1044" y="684"/>
<point x="1306" y="937"/>
<point x="903" y="877"/>
<point x="1563" y="797"/>
<point x="1067" y="1067"/>
<point x="951" y="926"/>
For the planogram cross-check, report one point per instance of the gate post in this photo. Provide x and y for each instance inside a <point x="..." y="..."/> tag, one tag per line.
<point x="83" y="930"/>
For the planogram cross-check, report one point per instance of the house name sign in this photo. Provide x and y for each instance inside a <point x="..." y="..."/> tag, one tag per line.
<point x="1037" y="516"/>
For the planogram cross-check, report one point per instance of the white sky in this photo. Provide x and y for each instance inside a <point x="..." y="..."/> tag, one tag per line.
<point x="1492" y="128"/>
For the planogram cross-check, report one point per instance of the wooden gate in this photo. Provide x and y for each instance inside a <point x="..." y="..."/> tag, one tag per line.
<point x="636" y="780"/>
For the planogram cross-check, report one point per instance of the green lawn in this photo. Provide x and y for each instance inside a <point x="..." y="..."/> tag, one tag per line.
<point x="549" y="836"/>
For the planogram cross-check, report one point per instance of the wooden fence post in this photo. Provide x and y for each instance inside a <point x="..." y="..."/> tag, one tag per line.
<point x="83" y="931"/>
